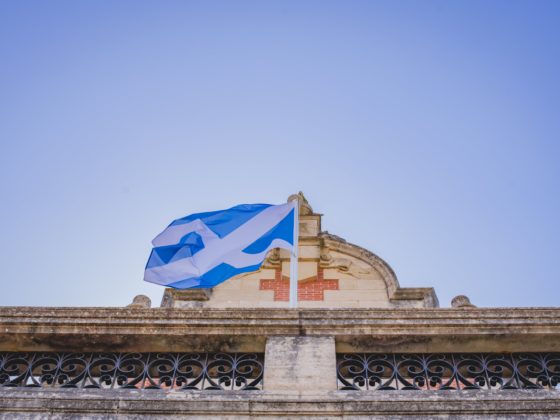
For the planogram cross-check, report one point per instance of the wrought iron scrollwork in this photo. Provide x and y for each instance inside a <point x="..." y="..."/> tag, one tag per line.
<point x="177" y="371"/>
<point x="371" y="371"/>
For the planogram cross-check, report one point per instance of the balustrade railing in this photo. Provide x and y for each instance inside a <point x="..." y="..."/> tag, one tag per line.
<point x="177" y="371"/>
<point x="372" y="372"/>
<point x="244" y="371"/>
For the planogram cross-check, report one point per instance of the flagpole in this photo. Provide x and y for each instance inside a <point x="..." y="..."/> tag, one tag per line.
<point x="294" y="259"/>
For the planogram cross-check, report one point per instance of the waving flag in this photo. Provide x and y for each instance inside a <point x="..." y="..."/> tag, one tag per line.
<point x="205" y="249"/>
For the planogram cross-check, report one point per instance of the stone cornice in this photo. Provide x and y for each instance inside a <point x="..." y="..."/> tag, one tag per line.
<point x="172" y="329"/>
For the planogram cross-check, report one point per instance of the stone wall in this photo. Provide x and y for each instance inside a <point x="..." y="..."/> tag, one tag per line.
<point x="300" y="349"/>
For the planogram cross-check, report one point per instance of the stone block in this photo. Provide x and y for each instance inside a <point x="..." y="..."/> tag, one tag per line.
<point x="303" y="364"/>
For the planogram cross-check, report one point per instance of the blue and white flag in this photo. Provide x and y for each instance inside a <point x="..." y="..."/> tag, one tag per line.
<point x="205" y="249"/>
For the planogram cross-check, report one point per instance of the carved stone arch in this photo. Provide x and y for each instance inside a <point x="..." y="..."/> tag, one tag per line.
<point x="396" y="294"/>
<point x="336" y="243"/>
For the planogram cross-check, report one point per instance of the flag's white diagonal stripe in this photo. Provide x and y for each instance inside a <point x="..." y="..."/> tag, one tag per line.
<point x="240" y="259"/>
<point x="241" y="237"/>
<point x="173" y="234"/>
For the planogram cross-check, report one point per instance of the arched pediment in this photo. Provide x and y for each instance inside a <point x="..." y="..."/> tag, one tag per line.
<point x="332" y="273"/>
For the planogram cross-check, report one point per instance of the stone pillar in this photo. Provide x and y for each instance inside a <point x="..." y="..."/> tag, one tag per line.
<point x="304" y="364"/>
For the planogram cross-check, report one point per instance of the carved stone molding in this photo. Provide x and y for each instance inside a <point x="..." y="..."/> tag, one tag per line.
<point x="395" y="292"/>
<point x="94" y="403"/>
<point x="170" y="296"/>
<point x="245" y="330"/>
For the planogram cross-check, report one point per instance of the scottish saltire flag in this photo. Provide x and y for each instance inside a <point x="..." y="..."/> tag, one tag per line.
<point x="205" y="249"/>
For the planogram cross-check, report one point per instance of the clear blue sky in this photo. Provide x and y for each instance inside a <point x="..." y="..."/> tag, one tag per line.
<point x="425" y="131"/>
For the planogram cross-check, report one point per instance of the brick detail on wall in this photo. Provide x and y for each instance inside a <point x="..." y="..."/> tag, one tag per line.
<point x="311" y="288"/>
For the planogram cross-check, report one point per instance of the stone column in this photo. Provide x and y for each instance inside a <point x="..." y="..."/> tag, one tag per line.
<point x="304" y="364"/>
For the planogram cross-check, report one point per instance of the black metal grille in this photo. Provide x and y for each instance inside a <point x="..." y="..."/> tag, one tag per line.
<point x="448" y="371"/>
<point x="202" y="371"/>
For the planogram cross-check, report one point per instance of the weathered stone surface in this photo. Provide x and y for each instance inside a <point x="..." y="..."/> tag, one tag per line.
<point x="174" y="329"/>
<point x="461" y="301"/>
<point x="300" y="364"/>
<point x="191" y="298"/>
<point x="38" y="403"/>
<point x="140" y="301"/>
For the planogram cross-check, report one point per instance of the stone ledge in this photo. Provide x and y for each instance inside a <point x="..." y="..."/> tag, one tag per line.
<point x="147" y="315"/>
<point x="84" y="403"/>
<point x="173" y="329"/>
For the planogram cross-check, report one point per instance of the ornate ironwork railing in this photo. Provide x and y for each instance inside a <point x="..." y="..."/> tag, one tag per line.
<point x="177" y="371"/>
<point x="448" y="371"/>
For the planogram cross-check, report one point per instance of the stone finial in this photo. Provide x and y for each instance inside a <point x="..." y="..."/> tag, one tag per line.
<point x="304" y="207"/>
<point x="140" y="301"/>
<point x="461" y="301"/>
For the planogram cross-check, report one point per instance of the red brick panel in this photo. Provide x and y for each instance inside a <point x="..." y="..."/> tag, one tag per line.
<point x="311" y="288"/>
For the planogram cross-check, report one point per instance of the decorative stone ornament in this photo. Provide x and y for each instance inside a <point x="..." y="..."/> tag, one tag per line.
<point x="141" y="301"/>
<point x="304" y="206"/>
<point x="461" y="301"/>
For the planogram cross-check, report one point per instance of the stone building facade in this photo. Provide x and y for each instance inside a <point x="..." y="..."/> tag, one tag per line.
<point x="358" y="346"/>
